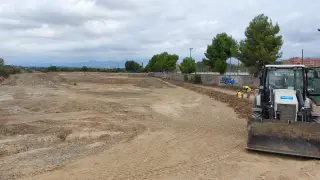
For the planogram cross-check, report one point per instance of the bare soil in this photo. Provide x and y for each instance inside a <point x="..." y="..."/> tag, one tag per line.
<point x="242" y="107"/>
<point x="102" y="126"/>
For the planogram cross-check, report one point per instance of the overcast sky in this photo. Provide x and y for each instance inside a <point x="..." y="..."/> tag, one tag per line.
<point x="35" y="30"/>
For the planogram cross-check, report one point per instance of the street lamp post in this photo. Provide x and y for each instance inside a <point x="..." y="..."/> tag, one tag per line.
<point x="302" y="56"/>
<point x="238" y="67"/>
<point x="230" y="69"/>
<point x="190" y="51"/>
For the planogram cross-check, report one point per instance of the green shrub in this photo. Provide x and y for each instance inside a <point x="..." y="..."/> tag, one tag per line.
<point x="13" y="70"/>
<point x="52" y="68"/>
<point x="185" y="77"/>
<point x="5" y="71"/>
<point x="197" y="79"/>
<point x="191" y="78"/>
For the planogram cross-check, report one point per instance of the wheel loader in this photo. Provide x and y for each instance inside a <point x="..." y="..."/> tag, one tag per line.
<point x="282" y="118"/>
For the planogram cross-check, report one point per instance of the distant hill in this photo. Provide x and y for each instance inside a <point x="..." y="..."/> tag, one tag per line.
<point x="101" y="64"/>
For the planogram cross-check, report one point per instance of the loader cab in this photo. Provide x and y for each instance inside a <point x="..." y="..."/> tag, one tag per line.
<point x="284" y="77"/>
<point x="313" y="79"/>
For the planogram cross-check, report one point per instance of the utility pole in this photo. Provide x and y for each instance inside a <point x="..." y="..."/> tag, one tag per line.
<point x="302" y="56"/>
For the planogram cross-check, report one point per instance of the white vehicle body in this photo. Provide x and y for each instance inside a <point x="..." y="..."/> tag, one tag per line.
<point x="285" y="101"/>
<point x="285" y="97"/>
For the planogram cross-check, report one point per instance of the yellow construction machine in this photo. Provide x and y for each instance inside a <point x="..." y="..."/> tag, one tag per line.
<point x="283" y="119"/>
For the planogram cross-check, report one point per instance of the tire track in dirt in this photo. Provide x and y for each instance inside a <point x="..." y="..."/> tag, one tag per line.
<point x="202" y="131"/>
<point x="241" y="106"/>
<point x="182" y="166"/>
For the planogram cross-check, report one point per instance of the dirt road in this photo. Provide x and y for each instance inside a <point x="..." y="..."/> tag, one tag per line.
<point x="136" y="129"/>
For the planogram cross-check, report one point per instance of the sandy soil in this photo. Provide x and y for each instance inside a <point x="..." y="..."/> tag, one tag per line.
<point x="126" y="128"/>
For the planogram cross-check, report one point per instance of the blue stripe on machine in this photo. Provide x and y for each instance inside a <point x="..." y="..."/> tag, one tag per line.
<point x="286" y="97"/>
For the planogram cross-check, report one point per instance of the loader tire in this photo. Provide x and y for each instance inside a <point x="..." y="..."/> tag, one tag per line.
<point x="256" y="116"/>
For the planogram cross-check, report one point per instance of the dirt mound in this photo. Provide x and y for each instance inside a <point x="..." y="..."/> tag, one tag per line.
<point x="151" y="83"/>
<point x="53" y="77"/>
<point x="35" y="79"/>
<point x="241" y="106"/>
<point x="100" y="78"/>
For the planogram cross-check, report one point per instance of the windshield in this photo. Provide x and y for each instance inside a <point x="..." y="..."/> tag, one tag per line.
<point x="285" y="78"/>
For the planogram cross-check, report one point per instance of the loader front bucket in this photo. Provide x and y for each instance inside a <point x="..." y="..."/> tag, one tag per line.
<point x="297" y="138"/>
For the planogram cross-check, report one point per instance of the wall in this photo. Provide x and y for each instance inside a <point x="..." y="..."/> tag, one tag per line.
<point x="212" y="79"/>
<point x="226" y="73"/>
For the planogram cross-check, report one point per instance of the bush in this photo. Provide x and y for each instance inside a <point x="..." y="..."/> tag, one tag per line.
<point x="52" y="68"/>
<point x="78" y="69"/>
<point x="16" y="71"/>
<point x="185" y="77"/>
<point x="197" y="79"/>
<point x="5" y="71"/>
<point x="191" y="79"/>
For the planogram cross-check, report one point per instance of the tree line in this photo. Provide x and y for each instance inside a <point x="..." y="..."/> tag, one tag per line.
<point x="77" y="69"/>
<point x="261" y="45"/>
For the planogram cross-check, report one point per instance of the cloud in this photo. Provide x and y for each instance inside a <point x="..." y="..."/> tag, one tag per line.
<point x="136" y="29"/>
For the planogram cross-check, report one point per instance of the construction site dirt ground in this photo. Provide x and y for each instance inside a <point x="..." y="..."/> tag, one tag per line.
<point x="97" y="126"/>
